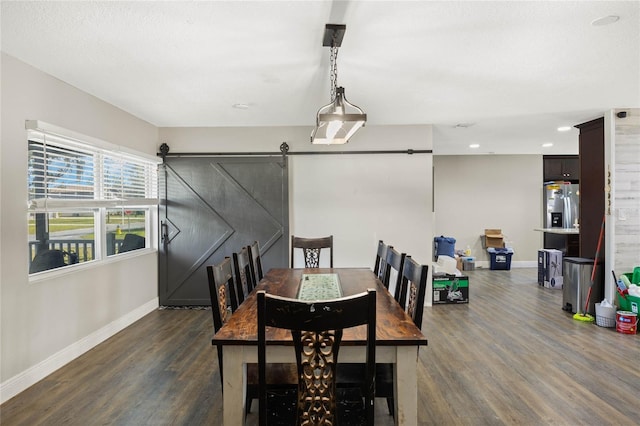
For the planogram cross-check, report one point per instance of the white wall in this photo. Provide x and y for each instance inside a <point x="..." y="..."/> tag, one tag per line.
<point x="475" y="192"/>
<point x="357" y="198"/>
<point x="46" y="323"/>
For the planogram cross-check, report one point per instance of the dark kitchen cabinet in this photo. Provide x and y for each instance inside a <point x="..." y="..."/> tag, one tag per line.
<point x="568" y="244"/>
<point x="561" y="167"/>
<point x="592" y="181"/>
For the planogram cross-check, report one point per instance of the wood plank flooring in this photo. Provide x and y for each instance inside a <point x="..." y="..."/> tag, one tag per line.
<point x="510" y="356"/>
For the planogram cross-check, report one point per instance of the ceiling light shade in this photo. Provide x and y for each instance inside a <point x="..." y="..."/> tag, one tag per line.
<point x="340" y="119"/>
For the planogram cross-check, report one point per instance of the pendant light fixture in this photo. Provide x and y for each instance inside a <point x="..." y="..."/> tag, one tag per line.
<point x="339" y="120"/>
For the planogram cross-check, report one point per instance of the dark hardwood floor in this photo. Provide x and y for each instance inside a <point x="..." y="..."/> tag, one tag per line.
<point x="511" y="356"/>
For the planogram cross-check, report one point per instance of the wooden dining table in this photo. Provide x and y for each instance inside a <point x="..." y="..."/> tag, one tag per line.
<point x="397" y="339"/>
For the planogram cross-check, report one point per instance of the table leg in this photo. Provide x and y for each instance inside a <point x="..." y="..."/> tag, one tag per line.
<point x="406" y="385"/>
<point x="235" y="383"/>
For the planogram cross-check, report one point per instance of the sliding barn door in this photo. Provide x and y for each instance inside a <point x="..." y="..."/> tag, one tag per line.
<point x="211" y="207"/>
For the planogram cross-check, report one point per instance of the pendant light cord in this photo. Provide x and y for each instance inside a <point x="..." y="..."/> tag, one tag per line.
<point x="333" y="73"/>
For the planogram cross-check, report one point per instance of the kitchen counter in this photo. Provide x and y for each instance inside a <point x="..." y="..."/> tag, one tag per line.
<point x="563" y="231"/>
<point x="566" y="240"/>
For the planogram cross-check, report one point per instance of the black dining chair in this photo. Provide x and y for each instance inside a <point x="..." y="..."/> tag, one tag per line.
<point x="380" y="265"/>
<point x="393" y="271"/>
<point x="223" y="299"/>
<point x="413" y="288"/>
<point x="243" y="275"/>
<point x="311" y="249"/>
<point x="316" y="328"/>
<point x="282" y="377"/>
<point x="411" y="292"/>
<point x="256" y="262"/>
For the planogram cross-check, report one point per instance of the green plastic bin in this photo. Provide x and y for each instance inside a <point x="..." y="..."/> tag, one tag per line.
<point x="630" y="303"/>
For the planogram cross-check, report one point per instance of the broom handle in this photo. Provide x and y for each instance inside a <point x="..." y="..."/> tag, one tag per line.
<point x="586" y="305"/>
<point x="595" y="261"/>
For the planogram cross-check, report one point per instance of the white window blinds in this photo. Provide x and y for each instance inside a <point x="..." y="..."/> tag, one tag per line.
<point x="68" y="173"/>
<point x="125" y="178"/>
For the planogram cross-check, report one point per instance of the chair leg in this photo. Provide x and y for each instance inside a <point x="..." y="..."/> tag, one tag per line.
<point x="247" y="404"/>
<point x="391" y="405"/>
<point x="220" y="369"/>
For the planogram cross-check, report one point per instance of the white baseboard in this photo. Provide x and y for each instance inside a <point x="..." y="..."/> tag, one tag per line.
<point x="485" y="264"/>
<point x="525" y="264"/>
<point x="32" y="375"/>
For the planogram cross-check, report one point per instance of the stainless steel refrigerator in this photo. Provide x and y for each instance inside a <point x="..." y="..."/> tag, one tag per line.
<point x="562" y="204"/>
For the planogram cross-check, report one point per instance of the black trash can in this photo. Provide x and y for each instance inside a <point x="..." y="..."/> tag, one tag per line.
<point x="576" y="277"/>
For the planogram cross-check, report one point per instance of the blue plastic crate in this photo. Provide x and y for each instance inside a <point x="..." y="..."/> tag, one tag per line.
<point x="500" y="258"/>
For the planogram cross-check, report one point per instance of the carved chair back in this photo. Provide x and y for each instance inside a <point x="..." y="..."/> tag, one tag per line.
<point x="317" y="328"/>
<point x="311" y="249"/>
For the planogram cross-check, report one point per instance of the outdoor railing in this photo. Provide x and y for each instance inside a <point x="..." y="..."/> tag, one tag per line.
<point x="82" y="248"/>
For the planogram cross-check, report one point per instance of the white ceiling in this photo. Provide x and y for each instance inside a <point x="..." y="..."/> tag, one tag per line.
<point x="515" y="70"/>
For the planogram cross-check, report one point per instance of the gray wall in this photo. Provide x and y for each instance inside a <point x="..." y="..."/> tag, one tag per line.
<point x="474" y="192"/>
<point x="49" y="321"/>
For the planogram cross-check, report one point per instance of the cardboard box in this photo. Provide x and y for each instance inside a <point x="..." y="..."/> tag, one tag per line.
<point x="459" y="263"/>
<point x="493" y="238"/>
<point x="552" y="277"/>
<point x="450" y="289"/>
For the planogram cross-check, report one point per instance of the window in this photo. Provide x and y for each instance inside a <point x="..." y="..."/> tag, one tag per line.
<point x="87" y="199"/>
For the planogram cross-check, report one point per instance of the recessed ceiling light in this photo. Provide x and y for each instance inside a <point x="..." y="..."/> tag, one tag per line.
<point x="241" y="106"/>
<point x="547" y="145"/>
<point x="564" y="128"/>
<point x="464" y="125"/>
<point x="605" y="20"/>
<point x="474" y="145"/>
